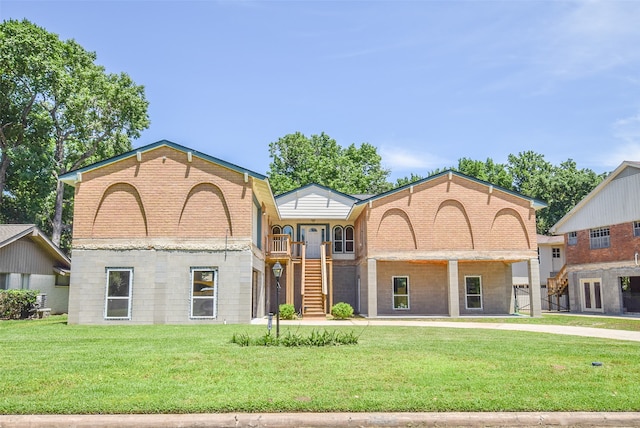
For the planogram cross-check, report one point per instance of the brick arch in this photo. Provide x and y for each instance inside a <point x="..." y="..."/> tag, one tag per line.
<point x="452" y="228"/>
<point x="120" y="202"/>
<point x="509" y="231"/>
<point x="205" y="213"/>
<point x="395" y="231"/>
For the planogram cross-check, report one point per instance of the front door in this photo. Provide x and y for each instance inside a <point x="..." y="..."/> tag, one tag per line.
<point x="591" y="290"/>
<point x="312" y="236"/>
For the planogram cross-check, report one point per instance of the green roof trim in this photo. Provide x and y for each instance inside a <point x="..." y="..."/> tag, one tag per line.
<point x="71" y="176"/>
<point x="537" y="203"/>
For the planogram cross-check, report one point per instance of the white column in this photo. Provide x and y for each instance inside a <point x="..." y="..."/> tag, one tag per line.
<point x="534" y="288"/>
<point x="454" y="300"/>
<point x="372" y="295"/>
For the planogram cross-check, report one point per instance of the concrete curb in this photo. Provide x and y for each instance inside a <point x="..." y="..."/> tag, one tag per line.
<point x="322" y="420"/>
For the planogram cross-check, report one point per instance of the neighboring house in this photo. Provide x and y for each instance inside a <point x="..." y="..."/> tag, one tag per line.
<point x="551" y="256"/>
<point x="602" y="236"/>
<point x="29" y="260"/>
<point x="165" y="234"/>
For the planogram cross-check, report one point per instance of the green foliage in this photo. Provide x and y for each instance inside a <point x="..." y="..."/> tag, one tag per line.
<point x="287" y="312"/>
<point x="298" y="160"/>
<point x="16" y="304"/>
<point x="289" y="339"/>
<point x="342" y="311"/>
<point x="59" y="111"/>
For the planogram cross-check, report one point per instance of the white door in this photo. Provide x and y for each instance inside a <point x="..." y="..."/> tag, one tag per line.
<point x="313" y="240"/>
<point x="591" y="290"/>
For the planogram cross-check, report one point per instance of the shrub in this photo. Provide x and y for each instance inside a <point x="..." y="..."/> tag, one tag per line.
<point x="287" y="312"/>
<point x="342" y="311"/>
<point x="17" y="304"/>
<point x="315" y="338"/>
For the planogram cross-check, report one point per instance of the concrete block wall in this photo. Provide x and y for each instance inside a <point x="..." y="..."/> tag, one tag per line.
<point x="496" y="287"/>
<point x="161" y="285"/>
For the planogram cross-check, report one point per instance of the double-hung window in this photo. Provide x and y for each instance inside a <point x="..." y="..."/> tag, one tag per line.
<point x="599" y="238"/>
<point x="119" y="287"/>
<point x="636" y="228"/>
<point x="204" y="292"/>
<point x="400" y="292"/>
<point x="572" y="238"/>
<point x="473" y="292"/>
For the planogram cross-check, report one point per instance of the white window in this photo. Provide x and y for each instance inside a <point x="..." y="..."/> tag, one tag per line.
<point x="343" y="239"/>
<point x="473" y="292"/>
<point x="636" y="228"/>
<point x="348" y="239"/>
<point x="204" y="292"/>
<point x="338" y="236"/>
<point x="118" y="300"/>
<point x="276" y="230"/>
<point x="599" y="238"/>
<point x="573" y="238"/>
<point x="555" y="253"/>
<point x="401" y="292"/>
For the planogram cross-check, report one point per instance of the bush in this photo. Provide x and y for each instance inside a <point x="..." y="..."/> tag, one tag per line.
<point x="17" y="304"/>
<point x="315" y="338"/>
<point x="287" y="312"/>
<point x="342" y="311"/>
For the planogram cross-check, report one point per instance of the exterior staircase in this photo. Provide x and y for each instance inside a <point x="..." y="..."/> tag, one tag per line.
<point x="313" y="299"/>
<point x="557" y="286"/>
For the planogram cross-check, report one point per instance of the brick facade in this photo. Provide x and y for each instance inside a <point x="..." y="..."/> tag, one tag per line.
<point x="623" y="246"/>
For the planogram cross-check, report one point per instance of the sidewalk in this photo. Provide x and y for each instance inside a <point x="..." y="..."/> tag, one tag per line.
<point x="326" y="420"/>
<point x="536" y="328"/>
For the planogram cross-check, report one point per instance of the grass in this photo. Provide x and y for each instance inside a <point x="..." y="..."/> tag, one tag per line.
<point x="52" y="367"/>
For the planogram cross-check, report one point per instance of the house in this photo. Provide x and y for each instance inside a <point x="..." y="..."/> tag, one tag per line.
<point x="602" y="238"/>
<point x="166" y="234"/>
<point x="551" y="257"/>
<point x="30" y="261"/>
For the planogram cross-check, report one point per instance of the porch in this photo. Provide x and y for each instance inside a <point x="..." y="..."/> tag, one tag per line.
<point x="315" y="274"/>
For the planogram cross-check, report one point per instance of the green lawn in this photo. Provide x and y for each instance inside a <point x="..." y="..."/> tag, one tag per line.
<point x="50" y="367"/>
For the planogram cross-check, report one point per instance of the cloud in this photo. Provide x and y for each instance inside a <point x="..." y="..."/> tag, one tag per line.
<point x="627" y="130"/>
<point x="592" y="36"/>
<point x="412" y="161"/>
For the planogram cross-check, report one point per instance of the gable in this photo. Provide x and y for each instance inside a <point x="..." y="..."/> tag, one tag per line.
<point x="614" y="201"/>
<point x="314" y="202"/>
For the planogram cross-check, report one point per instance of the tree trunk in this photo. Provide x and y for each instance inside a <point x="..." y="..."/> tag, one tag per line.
<point x="56" y="233"/>
<point x="4" y="165"/>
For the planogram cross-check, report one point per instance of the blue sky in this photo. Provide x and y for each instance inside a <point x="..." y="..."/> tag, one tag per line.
<point x="426" y="82"/>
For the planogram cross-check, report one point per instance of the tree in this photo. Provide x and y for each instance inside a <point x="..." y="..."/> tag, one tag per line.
<point x="298" y="160"/>
<point x="495" y="173"/>
<point x="62" y="106"/>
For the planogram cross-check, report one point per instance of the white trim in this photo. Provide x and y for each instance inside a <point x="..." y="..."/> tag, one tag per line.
<point x="467" y="295"/>
<point x="393" y="293"/>
<point x="129" y="298"/>
<point x="592" y="295"/>
<point x="214" y="297"/>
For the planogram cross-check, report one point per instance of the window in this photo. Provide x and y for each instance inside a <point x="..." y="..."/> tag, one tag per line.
<point x="473" y="292"/>
<point x="599" y="238"/>
<point x="204" y="286"/>
<point x="338" y="236"/>
<point x="555" y="253"/>
<point x="118" y="301"/>
<point x="348" y="239"/>
<point x="573" y="238"/>
<point x="276" y="230"/>
<point x="400" y="292"/>
<point x="4" y="279"/>
<point x="24" y="281"/>
<point x="343" y="239"/>
<point x="636" y="228"/>
<point x="288" y="230"/>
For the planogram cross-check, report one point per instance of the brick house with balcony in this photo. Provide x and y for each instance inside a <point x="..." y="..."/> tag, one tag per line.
<point x="166" y="234"/>
<point x="602" y="240"/>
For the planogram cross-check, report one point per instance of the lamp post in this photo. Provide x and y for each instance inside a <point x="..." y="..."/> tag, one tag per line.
<point x="277" y="271"/>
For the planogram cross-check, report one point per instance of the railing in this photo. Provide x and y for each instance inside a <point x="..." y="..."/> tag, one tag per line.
<point x="323" y="269"/>
<point x="303" y="263"/>
<point x="558" y="283"/>
<point x="279" y="244"/>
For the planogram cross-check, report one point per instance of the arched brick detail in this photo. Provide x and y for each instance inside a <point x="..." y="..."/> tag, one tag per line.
<point x="452" y="228"/>
<point x="508" y="231"/>
<point x="395" y="231"/>
<point x="205" y="213"/>
<point x="120" y="213"/>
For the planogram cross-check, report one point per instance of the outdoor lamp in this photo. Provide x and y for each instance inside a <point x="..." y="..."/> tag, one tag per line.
<point x="277" y="271"/>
